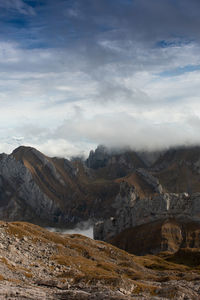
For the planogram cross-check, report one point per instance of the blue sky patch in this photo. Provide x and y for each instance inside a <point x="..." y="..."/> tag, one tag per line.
<point x="179" y="42"/>
<point x="180" y="70"/>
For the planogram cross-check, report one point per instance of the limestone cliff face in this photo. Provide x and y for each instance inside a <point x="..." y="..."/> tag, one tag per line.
<point x="131" y="210"/>
<point x="178" y="170"/>
<point x="98" y="158"/>
<point x="44" y="190"/>
<point x="149" y="198"/>
<point x="114" y="163"/>
<point x="30" y="185"/>
<point x="20" y="193"/>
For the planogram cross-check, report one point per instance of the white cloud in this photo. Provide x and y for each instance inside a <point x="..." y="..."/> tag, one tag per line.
<point x="63" y="148"/>
<point x="58" y="103"/>
<point x="121" y="129"/>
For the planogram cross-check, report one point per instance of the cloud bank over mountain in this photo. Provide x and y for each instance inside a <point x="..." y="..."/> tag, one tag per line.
<point x="74" y="74"/>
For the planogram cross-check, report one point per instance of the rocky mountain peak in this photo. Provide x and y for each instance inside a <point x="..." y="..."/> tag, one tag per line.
<point x="98" y="158"/>
<point x="22" y="152"/>
<point x="114" y="163"/>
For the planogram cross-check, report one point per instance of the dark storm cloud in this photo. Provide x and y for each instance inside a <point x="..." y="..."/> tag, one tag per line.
<point x="70" y="23"/>
<point x="143" y="20"/>
<point x="104" y="32"/>
<point x="98" y="30"/>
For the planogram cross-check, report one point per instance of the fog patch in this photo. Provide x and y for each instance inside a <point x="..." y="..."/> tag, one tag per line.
<point x="83" y="228"/>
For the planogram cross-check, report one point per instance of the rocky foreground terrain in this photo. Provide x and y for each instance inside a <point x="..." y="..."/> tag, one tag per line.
<point x="38" y="264"/>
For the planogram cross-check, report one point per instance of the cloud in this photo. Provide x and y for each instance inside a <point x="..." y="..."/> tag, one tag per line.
<point x="74" y="74"/>
<point x="61" y="148"/>
<point x="18" y="6"/>
<point x="138" y="20"/>
<point x="122" y="129"/>
<point x="67" y="112"/>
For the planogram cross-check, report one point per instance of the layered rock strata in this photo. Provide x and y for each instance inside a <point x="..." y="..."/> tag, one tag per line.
<point x="19" y="192"/>
<point x="43" y="190"/>
<point x="131" y="210"/>
<point x="168" y="235"/>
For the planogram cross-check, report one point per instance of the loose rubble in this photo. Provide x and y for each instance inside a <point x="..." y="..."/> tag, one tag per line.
<point x="38" y="264"/>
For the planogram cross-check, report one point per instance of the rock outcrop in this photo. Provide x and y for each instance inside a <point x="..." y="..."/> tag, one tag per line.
<point x="21" y="192"/>
<point x="114" y="163"/>
<point x="178" y="170"/>
<point x="163" y="235"/>
<point x="132" y="211"/>
<point x="151" y="180"/>
<point x="98" y="158"/>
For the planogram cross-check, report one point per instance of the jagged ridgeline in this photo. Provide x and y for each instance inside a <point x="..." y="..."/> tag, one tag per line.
<point x="119" y="188"/>
<point x="50" y="191"/>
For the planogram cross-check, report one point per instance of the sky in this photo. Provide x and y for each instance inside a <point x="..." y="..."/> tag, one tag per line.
<point x="78" y="73"/>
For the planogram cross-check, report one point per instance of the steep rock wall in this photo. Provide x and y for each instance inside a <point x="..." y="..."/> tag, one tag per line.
<point x="23" y="194"/>
<point x="132" y="211"/>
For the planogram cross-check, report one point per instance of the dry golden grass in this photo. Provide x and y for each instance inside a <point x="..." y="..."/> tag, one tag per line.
<point x="33" y="232"/>
<point x="186" y="257"/>
<point x="5" y="262"/>
<point x="141" y="287"/>
<point x="89" y="260"/>
<point x="83" y="259"/>
<point x="158" y="263"/>
<point x="142" y="187"/>
<point x="28" y="275"/>
<point x="16" y="281"/>
<point x="1" y="277"/>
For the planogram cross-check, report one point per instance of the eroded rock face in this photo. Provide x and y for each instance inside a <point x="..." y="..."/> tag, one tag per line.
<point x="123" y="161"/>
<point x="98" y="158"/>
<point x="51" y="191"/>
<point x="169" y="235"/>
<point x="150" y="179"/>
<point x="22" y="192"/>
<point x="132" y="211"/>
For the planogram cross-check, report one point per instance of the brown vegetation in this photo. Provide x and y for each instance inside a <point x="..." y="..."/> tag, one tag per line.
<point x="43" y="259"/>
<point x="157" y="236"/>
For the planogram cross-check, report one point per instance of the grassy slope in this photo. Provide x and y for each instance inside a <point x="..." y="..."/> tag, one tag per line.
<point x="161" y="235"/>
<point x="92" y="262"/>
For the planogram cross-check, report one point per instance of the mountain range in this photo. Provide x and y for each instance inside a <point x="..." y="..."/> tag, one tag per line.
<point x="121" y="191"/>
<point x="47" y="190"/>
